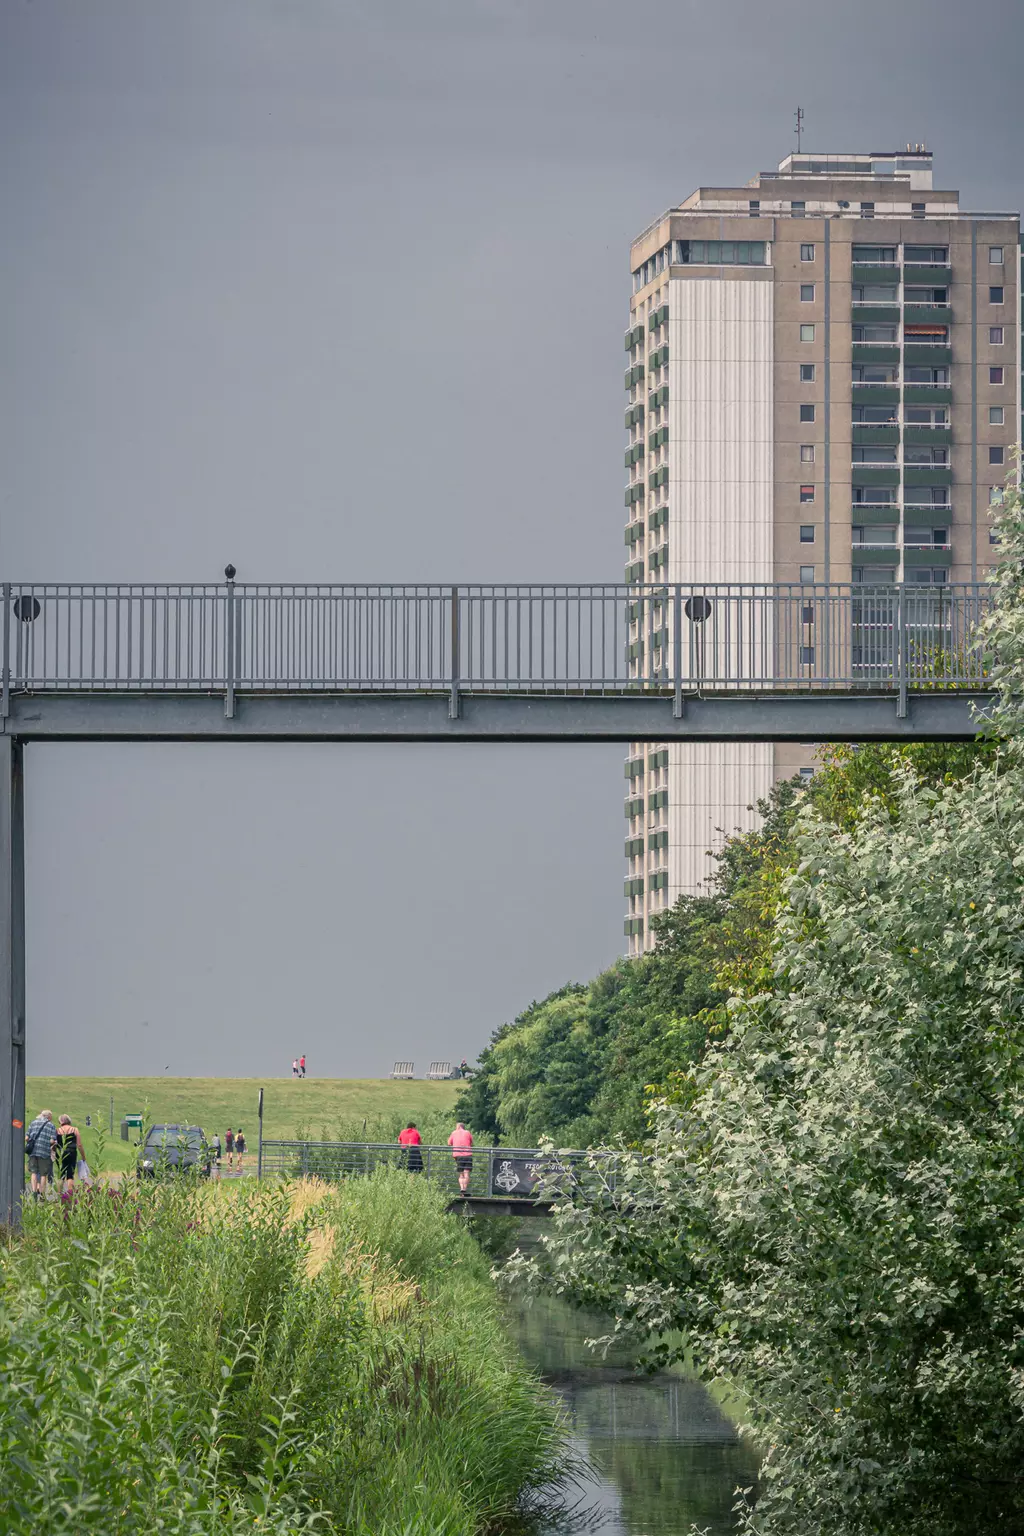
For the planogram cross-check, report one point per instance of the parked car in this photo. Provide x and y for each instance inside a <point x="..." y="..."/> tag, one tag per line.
<point x="172" y="1148"/>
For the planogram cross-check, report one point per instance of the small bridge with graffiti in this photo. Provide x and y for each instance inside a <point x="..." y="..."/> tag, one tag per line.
<point x="503" y="1181"/>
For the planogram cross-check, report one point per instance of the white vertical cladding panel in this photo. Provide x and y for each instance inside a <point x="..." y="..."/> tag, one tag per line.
<point x="720" y="429"/>
<point x="720" y="530"/>
<point x="713" y="792"/>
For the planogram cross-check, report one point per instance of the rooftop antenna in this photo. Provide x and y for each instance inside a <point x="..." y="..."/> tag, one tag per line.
<point x="798" y="130"/>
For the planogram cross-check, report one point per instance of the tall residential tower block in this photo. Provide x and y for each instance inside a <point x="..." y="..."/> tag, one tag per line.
<point x="823" y="385"/>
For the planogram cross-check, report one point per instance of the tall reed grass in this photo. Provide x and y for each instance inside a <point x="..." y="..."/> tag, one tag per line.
<point x="212" y="1359"/>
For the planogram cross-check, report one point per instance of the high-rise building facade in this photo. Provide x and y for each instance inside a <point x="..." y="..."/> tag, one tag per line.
<point x="823" y="385"/>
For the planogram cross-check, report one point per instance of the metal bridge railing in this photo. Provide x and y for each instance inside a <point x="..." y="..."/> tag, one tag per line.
<point x="501" y="1172"/>
<point x="605" y="639"/>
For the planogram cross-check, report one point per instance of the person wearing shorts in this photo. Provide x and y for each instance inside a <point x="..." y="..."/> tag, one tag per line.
<point x="66" y="1150"/>
<point x="411" y="1140"/>
<point x="461" y="1143"/>
<point x="39" y="1138"/>
<point x="229" y="1147"/>
<point x="239" y="1146"/>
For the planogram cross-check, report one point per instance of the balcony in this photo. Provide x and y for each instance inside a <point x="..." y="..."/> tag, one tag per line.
<point x="923" y="314"/>
<point x="873" y="313"/>
<point x="935" y="274"/>
<point x="875" y="394"/>
<point x="920" y="432"/>
<point x="871" y="272"/>
<point x="866" y="433"/>
<point x="927" y="394"/>
<point x="876" y="352"/>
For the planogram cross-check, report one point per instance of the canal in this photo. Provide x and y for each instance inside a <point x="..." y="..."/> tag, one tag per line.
<point x="660" y="1454"/>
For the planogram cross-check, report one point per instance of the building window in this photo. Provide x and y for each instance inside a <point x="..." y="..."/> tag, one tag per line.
<point x="807" y="655"/>
<point x="807" y="413"/>
<point x="867" y="210"/>
<point x="807" y="253"/>
<point x="875" y="255"/>
<point x="806" y="293"/>
<point x="806" y="453"/>
<point x="806" y="533"/>
<point x="995" y="416"/>
<point x="993" y="536"/>
<point x="921" y="576"/>
<point x="995" y="255"/>
<point x="806" y="373"/>
<point x="996" y="494"/>
<point x="716" y="253"/>
<point x="807" y="333"/>
<point x="996" y="455"/>
<point x="917" y="210"/>
<point x="806" y="775"/>
<point x="806" y="493"/>
<point x="798" y="209"/>
<point x="755" y="208"/>
<point x="806" y="573"/>
<point x="995" y="375"/>
<point x="995" y="335"/>
<point x="995" y="295"/>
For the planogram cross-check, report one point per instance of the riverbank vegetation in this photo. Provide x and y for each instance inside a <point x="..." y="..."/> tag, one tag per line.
<point x="212" y="1360"/>
<point x="831" y="1206"/>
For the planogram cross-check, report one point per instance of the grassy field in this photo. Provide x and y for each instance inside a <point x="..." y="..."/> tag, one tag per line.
<point x="335" y="1106"/>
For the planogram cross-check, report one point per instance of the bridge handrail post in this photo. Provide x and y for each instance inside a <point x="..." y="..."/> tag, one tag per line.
<point x="677" y="651"/>
<point x="453" y="697"/>
<point x="229" y="650"/>
<point x="901" y="652"/>
<point x="5" y="698"/>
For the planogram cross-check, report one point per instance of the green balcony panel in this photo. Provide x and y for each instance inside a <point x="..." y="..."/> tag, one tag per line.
<point x="634" y="808"/>
<point x="659" y="880"/>
<point x="876" y="314"/>
<point x="875" y="352"/>
<point x="934" y="436"/>
<point x="864" y="432"/>
<point x="926" y="394"/>
<point x="930" y="357"/>
<point x="927" y="277"/>
<point x="921" y="474"/>
<point x="865" y="272"/>
<point x="876" y="394"/>
<point x="862" y="555"/>
<point x="658" y="759"/>
<point x="875" y="517"/>
<point x="634" y="573"/>
<point x="868" y="474"/>
<point x="658" y="799"/>
<point x="927" y="314"/>
<point x="927" y="556"/>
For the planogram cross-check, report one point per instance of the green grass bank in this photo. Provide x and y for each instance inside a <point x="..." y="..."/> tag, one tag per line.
<point x="331" y="1108"/>
<point x="212" y="1360"/>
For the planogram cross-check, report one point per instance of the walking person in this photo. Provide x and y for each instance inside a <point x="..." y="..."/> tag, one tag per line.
<point x="215" y="1152"/>
<point x="295" y="1066"/>
<point x="229" y="1147"/>
<point x="66" y="1150"/>
<point x="302" y="1065"/>
<point x="239" y="1146"/>
<point x="39" y="1138"/>
<point x="461" y="1143"/>
<point x="411" y="1140"/>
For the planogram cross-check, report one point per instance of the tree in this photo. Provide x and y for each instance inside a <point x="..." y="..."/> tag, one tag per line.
<point x="834" y="1218"/>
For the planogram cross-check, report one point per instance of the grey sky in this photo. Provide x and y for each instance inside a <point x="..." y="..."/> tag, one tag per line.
<point x="336" y="291"/>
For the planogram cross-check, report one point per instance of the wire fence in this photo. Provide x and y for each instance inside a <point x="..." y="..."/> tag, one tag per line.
<point x="605" y="639"/>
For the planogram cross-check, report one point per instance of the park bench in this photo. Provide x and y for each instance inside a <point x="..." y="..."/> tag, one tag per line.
<point x="403" y="1069"/>
<point x="439" y="1071"/>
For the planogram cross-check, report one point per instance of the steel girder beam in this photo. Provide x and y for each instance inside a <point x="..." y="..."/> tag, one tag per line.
<point x="172" y="716"/>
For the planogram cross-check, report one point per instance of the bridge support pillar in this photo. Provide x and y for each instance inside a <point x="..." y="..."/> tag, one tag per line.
<point x="12" y="979"/>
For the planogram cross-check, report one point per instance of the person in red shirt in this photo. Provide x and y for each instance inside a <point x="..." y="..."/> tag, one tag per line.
<point x="461" y="1143"/>
<point x="302" y="1065"/>
<point x="411" y="1140"/>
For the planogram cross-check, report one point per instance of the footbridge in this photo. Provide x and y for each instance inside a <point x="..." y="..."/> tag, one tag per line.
<point x="504" y="1181"/>
<point x="234" y="661"/>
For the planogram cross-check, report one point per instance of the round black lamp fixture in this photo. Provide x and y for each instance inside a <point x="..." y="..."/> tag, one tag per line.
<point x="697" y="609"/>
<point x="26" y="609"/>
<point x="229" y="572"/>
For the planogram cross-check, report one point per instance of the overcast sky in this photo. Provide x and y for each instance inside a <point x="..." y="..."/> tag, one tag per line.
<point x="335" y="290"/>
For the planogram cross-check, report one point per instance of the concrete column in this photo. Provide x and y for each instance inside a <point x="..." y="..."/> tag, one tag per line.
<point x="12" y="979"/>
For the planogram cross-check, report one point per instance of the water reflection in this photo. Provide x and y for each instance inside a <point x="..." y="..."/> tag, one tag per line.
<point x="662" y="1453"/>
